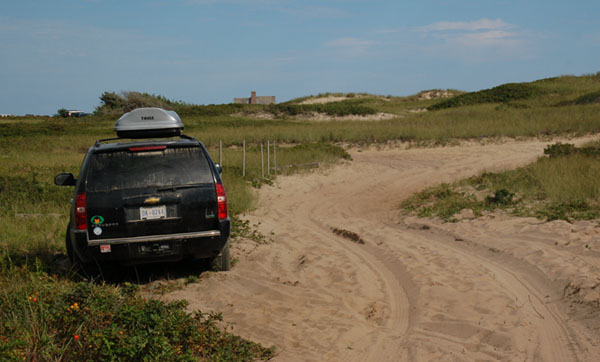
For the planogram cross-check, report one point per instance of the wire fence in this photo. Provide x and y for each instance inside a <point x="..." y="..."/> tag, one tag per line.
<point x="271" y="149"/>
<point x="261" y="156"/>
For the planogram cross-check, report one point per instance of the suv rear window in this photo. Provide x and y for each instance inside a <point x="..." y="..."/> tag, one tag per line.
<point x="123" y="170"/>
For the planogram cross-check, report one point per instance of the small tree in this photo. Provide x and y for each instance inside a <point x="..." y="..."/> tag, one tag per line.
<point x="61" y="113"/>
<point x="111" y="100"/>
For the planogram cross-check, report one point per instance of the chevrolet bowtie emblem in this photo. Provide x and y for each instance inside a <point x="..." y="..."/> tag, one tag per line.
<point x="152" y="200"/>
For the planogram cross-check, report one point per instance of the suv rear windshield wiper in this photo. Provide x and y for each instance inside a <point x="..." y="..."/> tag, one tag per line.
<point x="178" y="187"/>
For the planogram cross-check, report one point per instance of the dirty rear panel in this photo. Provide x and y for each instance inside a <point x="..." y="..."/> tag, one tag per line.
<point x="147" y="191"/>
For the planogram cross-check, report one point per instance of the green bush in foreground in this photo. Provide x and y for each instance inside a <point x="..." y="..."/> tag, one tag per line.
<point x="564" y="186"/>
<point x="47" y="318"/>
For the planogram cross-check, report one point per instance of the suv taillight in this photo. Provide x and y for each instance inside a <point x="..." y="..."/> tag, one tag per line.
<point x="80" y="212"/>
<point x="221" y="201"/>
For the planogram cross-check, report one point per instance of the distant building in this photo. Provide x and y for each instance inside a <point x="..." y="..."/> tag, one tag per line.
<point x="5" y="115"/>
<point x="255" y="100"/>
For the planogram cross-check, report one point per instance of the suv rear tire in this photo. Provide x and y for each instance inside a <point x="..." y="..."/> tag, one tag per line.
<point x="86" y="270"/>
<point x="68" y="245"/>
<point x="222" y="261"/>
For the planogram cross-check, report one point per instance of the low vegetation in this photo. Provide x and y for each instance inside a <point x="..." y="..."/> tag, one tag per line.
<point x="590" y="98"/>
<point x="502" y="94"/>
<point x="563" y="185"/>
<point x="33" y="212"/>
<point x="47" y="318"/>
<point x="115" y="104"/>
<point x="36" y="318"/>
<point x="341" y="108"/>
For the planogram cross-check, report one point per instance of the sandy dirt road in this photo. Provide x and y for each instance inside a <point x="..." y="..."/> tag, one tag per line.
<point x="494" y="288"/>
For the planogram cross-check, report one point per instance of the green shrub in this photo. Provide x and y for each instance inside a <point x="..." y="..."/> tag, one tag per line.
<point x="590" y="98"/>
<point x="113" y="103"/>
<point x="343" y="108"/>
<point x="564" y="186"/>
<point x="320" y="151"/>
<point x="565" y="149"/>
<point x="443" y="201"/>
<point x="502" y="94"/>
<point x="47" y="318"/>
<point x="501" y="197"/>
<point x="560" y="149"/>
<point x="566" y="211"/>
<point x="61" y="112"/>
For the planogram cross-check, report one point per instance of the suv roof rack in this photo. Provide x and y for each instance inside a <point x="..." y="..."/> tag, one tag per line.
<point x="98" y="142"/>
<point x="148" y="123"/>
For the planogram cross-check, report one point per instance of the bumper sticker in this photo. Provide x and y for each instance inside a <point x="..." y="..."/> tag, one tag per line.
<point x="97" y="231"/>
<point x="97" y="220"/>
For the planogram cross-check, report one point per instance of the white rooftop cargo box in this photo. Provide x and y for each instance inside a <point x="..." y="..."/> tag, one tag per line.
<point x="149" y="122"/>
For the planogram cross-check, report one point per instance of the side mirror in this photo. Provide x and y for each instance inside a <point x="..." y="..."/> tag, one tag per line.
<point x="65" y="179"/>
<point x="219" y="168"/>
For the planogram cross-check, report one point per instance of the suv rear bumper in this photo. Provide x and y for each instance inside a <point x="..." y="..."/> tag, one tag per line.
<point x="152" y="248"/>
<point x="156" y="238"/>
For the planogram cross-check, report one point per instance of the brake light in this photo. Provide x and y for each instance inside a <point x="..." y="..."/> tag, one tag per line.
<point x="221" y="201"/>
<point x="147" y="148"/>
<point x="81" y="212"/>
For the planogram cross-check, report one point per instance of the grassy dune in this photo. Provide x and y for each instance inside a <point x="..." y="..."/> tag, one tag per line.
<point x="33" y="212"/>
<point x="557" y="186"/>
<point x="33" y="150"/>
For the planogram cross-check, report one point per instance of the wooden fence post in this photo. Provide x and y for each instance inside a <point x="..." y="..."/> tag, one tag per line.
<point x="262" y="161"/>
<point x="244" y="159"/>
<point x="221" y="153"/>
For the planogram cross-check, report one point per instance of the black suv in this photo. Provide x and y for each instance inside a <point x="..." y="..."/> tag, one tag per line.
<point x="151" y="200"/>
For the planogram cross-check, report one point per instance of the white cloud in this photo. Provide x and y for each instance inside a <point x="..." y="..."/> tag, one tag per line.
<point x="481" y="24"/>
<point x="482" y="39"/>
<point x="493" y="37"/>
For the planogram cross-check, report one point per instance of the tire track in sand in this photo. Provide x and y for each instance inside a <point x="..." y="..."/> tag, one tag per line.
<point x="404" y="295"/>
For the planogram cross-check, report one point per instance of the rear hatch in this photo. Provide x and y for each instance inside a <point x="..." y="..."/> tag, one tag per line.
<point x="150" y="190"/>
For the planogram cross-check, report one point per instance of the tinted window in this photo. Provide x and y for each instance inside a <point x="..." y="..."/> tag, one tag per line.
<point x="127" y="170"/>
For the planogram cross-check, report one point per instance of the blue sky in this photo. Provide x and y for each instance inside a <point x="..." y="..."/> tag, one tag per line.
<point x="66" y="53"/>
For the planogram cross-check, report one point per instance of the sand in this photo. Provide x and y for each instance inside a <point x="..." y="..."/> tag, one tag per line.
<point x="323" y="100"/>
<point x="492" y="288"/>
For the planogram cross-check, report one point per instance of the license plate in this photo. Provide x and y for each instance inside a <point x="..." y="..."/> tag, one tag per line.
<point x="155" y="248"/>
<point x="151" y="213"/>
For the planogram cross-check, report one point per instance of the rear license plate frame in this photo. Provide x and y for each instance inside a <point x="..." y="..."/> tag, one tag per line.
<point x="156" y="248"/>
<point x="153" y="213"/>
